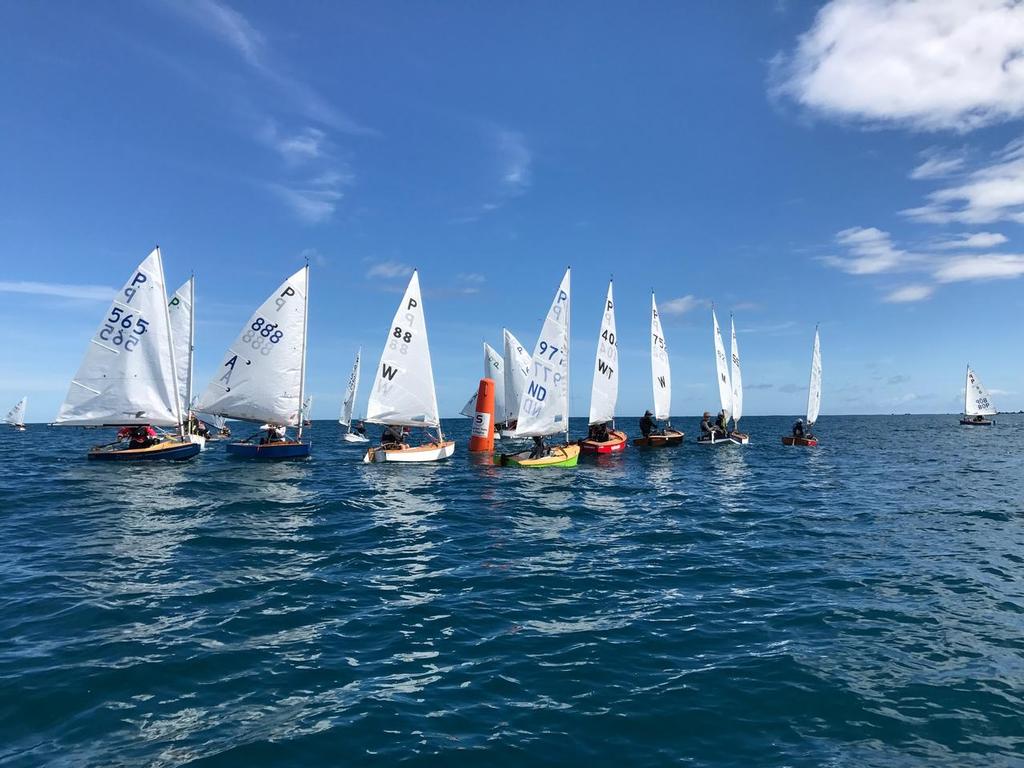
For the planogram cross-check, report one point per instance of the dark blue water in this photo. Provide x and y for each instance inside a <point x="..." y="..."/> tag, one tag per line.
<point x="861" y="603"/>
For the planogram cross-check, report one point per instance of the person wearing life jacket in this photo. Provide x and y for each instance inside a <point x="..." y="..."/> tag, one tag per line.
<point x="648" y="426"/>
<point x="391" y="436"/>
<point x="722" y="423"/>
<point x="359" y="428"/>
<point x="138" y="437"/>
<point x="706" y="427"/>
<point x="540" y="448"/>
<point x="598" y="433"/>
<point x="798" y="428"/>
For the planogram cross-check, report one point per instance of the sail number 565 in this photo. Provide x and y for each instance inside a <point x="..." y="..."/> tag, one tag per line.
<point x="122" y="329"/>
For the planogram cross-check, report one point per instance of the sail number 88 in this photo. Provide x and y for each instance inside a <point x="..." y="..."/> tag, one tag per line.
<point x="399" y="334"/>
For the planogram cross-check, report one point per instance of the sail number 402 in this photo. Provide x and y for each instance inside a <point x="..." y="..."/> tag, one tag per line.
<point x="262" y="335"/>
<point x="122" y="329"/>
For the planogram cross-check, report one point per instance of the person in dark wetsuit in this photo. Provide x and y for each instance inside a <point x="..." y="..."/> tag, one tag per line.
<point x="722" y="424"/>
<point x="705" y="426"/>
<point x="540" y="448"/>
<point x="360" y="429"/>
<point x="648" y="426"/>
<point x="798" y="428"/>
<point x="598" y="433"/>
<point x="391" y="436"/>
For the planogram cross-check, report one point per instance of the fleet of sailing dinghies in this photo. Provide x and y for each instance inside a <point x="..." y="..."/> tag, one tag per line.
<point x="604" y="392"/>
<point x="403" y="392"/>
<point x="730" y="388"/>
<point x="16" y="416"/>
<point x="348" y="404"/>
<point x="661" y="380"/>
<point x="977" y="402"/>
<point x="128" y="376"/>
<point x="813" y="399"/>
<point x="262" y="376"/>
<point x="544" y="405"/>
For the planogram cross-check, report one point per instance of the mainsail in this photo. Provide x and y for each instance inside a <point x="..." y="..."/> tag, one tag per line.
<point x="517" y="370"/>
<point x="350" y="392"/>
<point x="544" y="406"/>
<point x="180" y="311"/>
<point x="976" y="398"/>
<point x="737" y="377"/>
<point x="263" y="373"/>
<point x="661" y="371"/>
<point x="605" y="390"/>
<point x="403" y="389"/>
<point x="814" y="387"/>
<point x="494" y="369"/>
<point x="722" y="368"/>
<point x="128" y="374"/>
<point x="16" y="415"/>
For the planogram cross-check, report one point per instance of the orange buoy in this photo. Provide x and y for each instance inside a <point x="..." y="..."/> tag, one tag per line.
<point x="482" y="434"/>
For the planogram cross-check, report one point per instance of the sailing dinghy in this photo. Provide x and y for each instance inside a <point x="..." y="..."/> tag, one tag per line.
<point x="813" y="399"/>
<point x="181" y="312"/>
<point x="729" y="395"/>
<point x="494" y="369"/>
<point x="516" y="364"/>
<point x="349" y="403"/>
<point x="605" y="390"/>
<point x="128" y="377"/>
<point x="544" y="406"/>
<point x="16" y="416"/>
<point x="737" y="389"/>
<point x="403" y="393"/>
<point x="661" y="379"/>
<point x="263" y="375"/>
<point x="977" y="402"/>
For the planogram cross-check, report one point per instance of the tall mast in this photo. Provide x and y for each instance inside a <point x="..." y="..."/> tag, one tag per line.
<point x="967" y="388"/>
<point x="302" y="372"/>
<point x="191" y="344"/>
<point x="568" y="335"/>
<point x="170" y="346"/>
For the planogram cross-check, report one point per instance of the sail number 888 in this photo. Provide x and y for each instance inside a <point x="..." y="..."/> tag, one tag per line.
<point x="262" y="335"/>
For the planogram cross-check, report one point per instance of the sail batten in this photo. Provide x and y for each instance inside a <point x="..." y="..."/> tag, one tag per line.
<point x="544" y="406"/>
<point x="605" y="390"/>
<point x="127" y="376"/>
<point x="814" y="385"/>
<point x="661" y="370"/>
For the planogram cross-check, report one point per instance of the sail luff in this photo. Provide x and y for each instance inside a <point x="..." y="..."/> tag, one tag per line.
<point x="302" y="363"/>
<point x="967" y="391"/>
<point x="191" y="341"/>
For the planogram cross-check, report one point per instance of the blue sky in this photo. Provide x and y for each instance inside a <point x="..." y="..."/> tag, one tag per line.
<point x="855" y="163"/>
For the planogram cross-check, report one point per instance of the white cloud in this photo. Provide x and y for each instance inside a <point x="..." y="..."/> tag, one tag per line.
<point x="312" y="203"/>
<point x="910" y="293"/>
<point x="302" y="146"/>
<point x="682" y="305"/>
<point x="991" y="266"/>
<point x="969" y="240"/>
<point x="516" y="160"/>
<point x="389" y="270"/>
<point x="871" y="252"/>
<point x="926" y="64"/>
<point x="938" y="164"/>
<point x="63" y="290"/>
<point x="224" y="23"/>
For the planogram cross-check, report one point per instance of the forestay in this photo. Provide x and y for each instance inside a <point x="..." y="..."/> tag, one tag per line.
<point x="260" y="379"/>
<point x="737" y="376"/>
<point x="128" y="374"/>
<point x="605" y="390"/>
<point x="180" y="312"/>
<point x="350" y="392"/>
<point x="494" y="369"/>
<point x="16" y="415"/>
<point x="722" y="367"/>
<point x="544" y="407"/>
<point x="976" y="398"/>
<point x="661" y="371"/>
<point x="814" y="386"/>
<point x="403" y="389"/>
<point x="517" y="370"/>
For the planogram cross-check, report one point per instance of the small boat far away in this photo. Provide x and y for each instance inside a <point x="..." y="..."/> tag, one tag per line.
<point x="544" y="407"/>
<point x="726" y="392"/>
<point x="263" y="375"/>
<point x="128" y="377"/>
<point x="801" y="431"/>
<point x="602" y="436"/>
<point x="347" y="405"/>
<point x="16" y="416"/>
<point x="977" y="402"/>
<point x="661" y="380"/>
<point x="403" y="393"/>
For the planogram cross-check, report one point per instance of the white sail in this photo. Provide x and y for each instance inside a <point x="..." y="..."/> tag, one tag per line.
<point x="544" y="406"/>
<point x="350" y="392"/>
<point x="128" y="373"/>
<point x="217" y="422"/>
<point x="403" y="389"/>
<point x="261" y="377"/>
<point x="737" y="377"/>
<point x="605" y="390"/>
<point x="661" y="371"/>
<point x="469" y="409"/>
<point x="16" y="415"/>
<point x="307" y="407"/>
<point x="722" y="368"/>
<point x="814" y="386"/>
<point x="976" y="398"/>
<point x="180" y="310"/>
<point x="517" y="370"/>
<point x="494" y="369"/>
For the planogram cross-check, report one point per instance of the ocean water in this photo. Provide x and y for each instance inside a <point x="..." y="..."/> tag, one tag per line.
<point x="857" y="604"/>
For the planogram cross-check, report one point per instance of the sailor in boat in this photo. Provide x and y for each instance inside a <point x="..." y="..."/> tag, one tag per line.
<point x="706" y="428"/>
<point x="275" y="434"/>
<point x="722" y="424"/>
<point x="196" y="427"/>
<point x="598" y="433"/>
<point x="540" y="448"/>
<point x="139" y="437"/>
<point x="392" y="437"/>
<point x="798" y="428"/>
<point x="359" y="428"/>
<point x="648" y="426"/>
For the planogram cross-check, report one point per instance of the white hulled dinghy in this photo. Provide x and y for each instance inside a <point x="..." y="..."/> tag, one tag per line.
<point x="544" y="406"/>
<point x="128" y="376"/>
<point x="977" y="402"/>
<point x="725" y="391"/>
<point x="804" y="437"/>
<point x="604" y="393"/>
<point x="263" y="375"/>
<point x="348" y="404"/>
<point x="403" y="392"/>
<point x="181" y="312"/>
<point x="16" y="416"/>
<point x="661" y="380"/>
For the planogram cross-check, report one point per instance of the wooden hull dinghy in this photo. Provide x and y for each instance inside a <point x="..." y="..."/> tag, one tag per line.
<point x="615" y="443"/>
<point x="284" y="449"/>
<point x="165" y="450"/>
<point x="668" y="438"/>
<point x="558" y="456"/>
<point x="408" y="454"/>
<point x="810" y="440"/>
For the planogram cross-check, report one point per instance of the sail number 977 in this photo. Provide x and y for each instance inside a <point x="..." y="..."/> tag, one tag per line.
<point x="123" y="330"/>
<point x="262" y="336"/>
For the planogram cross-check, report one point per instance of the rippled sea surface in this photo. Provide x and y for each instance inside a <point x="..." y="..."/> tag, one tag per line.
<point x="861" y="603"/>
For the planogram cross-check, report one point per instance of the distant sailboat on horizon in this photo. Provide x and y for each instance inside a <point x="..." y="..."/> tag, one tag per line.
<point x="16" y="416"/>
<point x="977" y="402"/>
<point x="349" y="403"/>
<point x="813" y="400"/>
